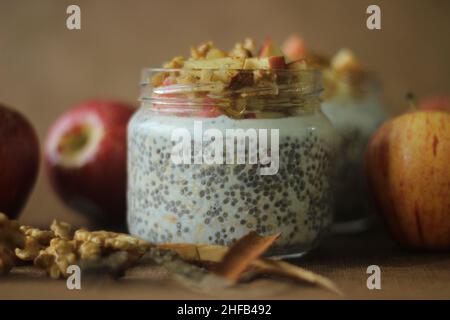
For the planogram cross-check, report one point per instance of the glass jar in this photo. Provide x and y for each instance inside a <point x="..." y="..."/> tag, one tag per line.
<point x="355" y="113"/>
<point x="179" y="192"/>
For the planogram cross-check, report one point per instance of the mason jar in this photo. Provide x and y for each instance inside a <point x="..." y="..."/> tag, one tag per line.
<point x="211" y="169"/>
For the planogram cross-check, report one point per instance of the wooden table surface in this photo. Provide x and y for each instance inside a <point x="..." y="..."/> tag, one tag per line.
<point x="344" y="259"/>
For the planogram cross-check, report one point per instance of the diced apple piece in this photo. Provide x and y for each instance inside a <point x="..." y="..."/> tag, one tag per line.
<point x="215" y="53"/>
<point x="297" y="65"/>
<point x="255" y="63"/>
<point x="224" y="75"/>
<point x="167" y="82"/>
<point x="209" y="111"/>
<point x="345" y="60"/>
<point x="241" y="80"/>
<point x="158" y="79"/>
<point x="275" y="62"/>
<point x="240" y="51"/>
<point x="269" y="49"/>
<point x="220" y="63"/>
<point x="295" y="48"/>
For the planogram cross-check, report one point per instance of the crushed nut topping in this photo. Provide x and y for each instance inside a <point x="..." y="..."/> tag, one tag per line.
<point x="55" y="249"/>
<point x="112" y="241"/>
<point x="10" y="238"/>
<point x="57" y="257"/>
<point x="61" y="229"/>
<point x="31" y="249"/>
<point x="89" y="250"/>
<point x="43" y="236"/>
<point x="35" y="241"/>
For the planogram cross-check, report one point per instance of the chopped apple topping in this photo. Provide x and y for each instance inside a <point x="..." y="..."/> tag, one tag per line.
<point x="237" y="75"/>
<point x="345" y="75"/>
<point x="345" y="61"/>
<point x="208" y="64"/>
<point x="215" y="53"/>
<point x="295" y="48"/>
<point x="249" y="44"/>
<point x="275" y="62"/>
<point x="269" y="49"/>
<point x="201" y="51"/>
<point x="298" y="65"/>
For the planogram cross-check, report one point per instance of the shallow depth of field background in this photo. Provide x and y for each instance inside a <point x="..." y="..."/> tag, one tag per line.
<point x="45" y="68"/>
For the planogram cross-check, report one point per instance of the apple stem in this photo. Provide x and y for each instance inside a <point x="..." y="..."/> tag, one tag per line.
<point x="411" y="101"/>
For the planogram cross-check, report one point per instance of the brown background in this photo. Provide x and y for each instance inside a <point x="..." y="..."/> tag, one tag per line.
<point x="45" y="68"/>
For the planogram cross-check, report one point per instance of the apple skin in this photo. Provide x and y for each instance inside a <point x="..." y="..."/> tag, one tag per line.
<point x="435" y="103"/>
<point x="295" y="48"/>
<point x="207" y="111"/>
<point x="93" y="184"/>
<point x="269" y="49"/>
<point x="277" y="62"/>
<point x="407" y="166"/>
<point x="19" y="161"/>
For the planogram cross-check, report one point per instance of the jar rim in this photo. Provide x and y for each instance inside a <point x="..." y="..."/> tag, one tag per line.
<point x="301" y="82"/>
<point x="271" y="89"/>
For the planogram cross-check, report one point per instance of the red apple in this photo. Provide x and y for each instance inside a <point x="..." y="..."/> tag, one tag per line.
<point x="407" y="165"/>
<point x="294" y="48"/>
<point x="435" y="103"/>
<point x="19" y="161"/>
<point x="85" y="156"/>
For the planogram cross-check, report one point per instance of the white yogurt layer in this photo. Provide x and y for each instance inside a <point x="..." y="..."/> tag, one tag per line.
<point x="199" y="203"/>
<point x="364" y="113"/>
<point x="355" y="119"/>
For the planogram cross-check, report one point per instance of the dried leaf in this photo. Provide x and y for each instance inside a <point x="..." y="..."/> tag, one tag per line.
<point x="186" y="274"/>
<point x="242" y="254"/>
<point x="197" y="252"/>
<point x="211" y="255"/>
<point x="113" y="265"/>
<point x="291" y="271"/>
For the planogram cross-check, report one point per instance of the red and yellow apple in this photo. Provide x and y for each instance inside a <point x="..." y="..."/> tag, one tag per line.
<point x="85" y="157"/>
<point x="19" y="161"/>
<point x="408" y="171"/>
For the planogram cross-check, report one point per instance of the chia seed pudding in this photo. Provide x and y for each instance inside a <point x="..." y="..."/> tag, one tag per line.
<point x="354" y="107"/>
<point x="219" y="203"/>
